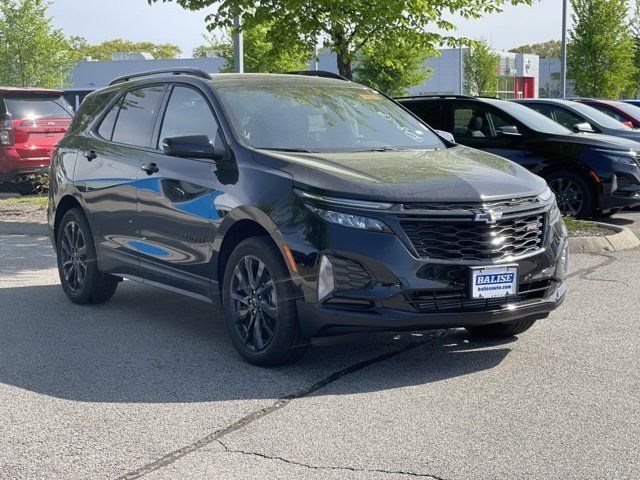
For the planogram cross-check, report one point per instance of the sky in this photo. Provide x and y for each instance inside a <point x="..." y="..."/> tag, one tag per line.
<point x="97" y="20"/>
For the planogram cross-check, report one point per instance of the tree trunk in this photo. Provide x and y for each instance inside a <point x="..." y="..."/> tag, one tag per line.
<point x="344" y="66"/>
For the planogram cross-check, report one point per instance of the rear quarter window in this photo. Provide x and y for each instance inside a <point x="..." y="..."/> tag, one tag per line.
<point x="428" y="111"/>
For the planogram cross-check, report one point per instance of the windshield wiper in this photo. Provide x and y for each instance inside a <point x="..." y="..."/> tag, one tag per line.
<point x="288" y="150"/>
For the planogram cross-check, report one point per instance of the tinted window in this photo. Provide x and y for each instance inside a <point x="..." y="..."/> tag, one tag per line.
<point x="610" y="112"/>
<point x="137" y="116"/>
<point x="106" y="127"/>
<point x="429" y="111"/>
<point x="302" y="115"/>
<point x="598" y="117"/>
<point x="188" y="113"/>
<point x="35" y="107"/>
<point x="528" y="117"/>
<point x="476" y="121"/>
<point x="566" y="118"/>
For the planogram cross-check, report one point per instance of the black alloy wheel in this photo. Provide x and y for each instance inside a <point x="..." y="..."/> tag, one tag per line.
<point x="74" y="256"/>
<point x="254" y="303"/>
<point x="259" y="301"/>
<point x="573" y="193"/>
<point x="81" y="279"/>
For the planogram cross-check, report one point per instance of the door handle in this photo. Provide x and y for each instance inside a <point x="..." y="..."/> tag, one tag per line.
<point x="150" y="168"/>
<point x="90" y="155"/>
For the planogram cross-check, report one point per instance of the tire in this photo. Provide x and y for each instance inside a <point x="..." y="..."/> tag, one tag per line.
<point x="501" y="330"/>
<point x="75" y="244"/>
<point x="573" y="192"/>
<point x="259" y="305"/>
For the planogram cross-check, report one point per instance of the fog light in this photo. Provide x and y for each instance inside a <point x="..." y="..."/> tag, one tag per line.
<point x="325" y="279"/>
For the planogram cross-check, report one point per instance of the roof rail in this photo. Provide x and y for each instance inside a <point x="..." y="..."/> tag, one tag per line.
<point x="318" y="73"/>
<point x="409" y="97"/>
<point x="196" y="72"/>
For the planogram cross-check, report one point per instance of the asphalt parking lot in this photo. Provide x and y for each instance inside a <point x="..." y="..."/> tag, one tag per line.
<point x="148" y="386"/>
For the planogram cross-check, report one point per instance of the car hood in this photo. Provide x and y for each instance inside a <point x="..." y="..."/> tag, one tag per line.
<point x="456" y="174"/>
<point x="600" y="141"/>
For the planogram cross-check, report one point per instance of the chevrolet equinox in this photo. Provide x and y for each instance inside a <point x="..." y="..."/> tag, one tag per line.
<point x="307" y="206"/>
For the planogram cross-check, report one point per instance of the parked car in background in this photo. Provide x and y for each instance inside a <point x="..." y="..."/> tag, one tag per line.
<point x="309" y="207"/>
<point x="625" y="113"/>
<point x="590" y="174"/>
<point x="580" y="117"/>
<point x="635" y="102"/>
<point x="31" y="123"/>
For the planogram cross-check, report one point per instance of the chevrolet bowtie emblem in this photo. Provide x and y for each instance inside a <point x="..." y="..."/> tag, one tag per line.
<point x="488" y="216"/>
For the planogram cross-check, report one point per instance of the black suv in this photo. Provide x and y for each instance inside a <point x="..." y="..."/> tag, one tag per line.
<point x="589" y="173"/>
<point x="308" y="206"/>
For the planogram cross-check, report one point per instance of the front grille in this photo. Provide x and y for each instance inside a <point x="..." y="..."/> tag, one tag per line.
<point x="348" y="274"/>
<point x="428" y="301"/>
<point x="469" y="240"/>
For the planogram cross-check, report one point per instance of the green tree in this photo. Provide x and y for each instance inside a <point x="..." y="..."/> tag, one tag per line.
<point x="260" y="53"/>
<point x="347" y="26"/>
<point x="32" y="52"/>
<point x="600" y="53"/>
<point x="394" y="65"/>
<point x="103" y="51"/>
<point x="550" y="48"/>
<point x="481" y="67"/>
<point x="634" y="89"/>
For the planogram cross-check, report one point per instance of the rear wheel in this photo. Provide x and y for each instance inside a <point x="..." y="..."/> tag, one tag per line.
<point x="80" y="277"/>
<point x="259" y="305"/>
<point x="573" y="193"/>
<point x="501" y="330"/>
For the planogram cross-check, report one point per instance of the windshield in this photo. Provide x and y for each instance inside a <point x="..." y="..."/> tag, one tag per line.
<point x="294" y="117"/>
<point x="598" y="117"/>
<point x="35" y="107"/>
<point x="532" y="119"/>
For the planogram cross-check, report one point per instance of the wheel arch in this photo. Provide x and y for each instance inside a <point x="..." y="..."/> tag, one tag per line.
<point x="238" y="225"/>
<point x="65" y="204"/>
<point x="582" y="170"/>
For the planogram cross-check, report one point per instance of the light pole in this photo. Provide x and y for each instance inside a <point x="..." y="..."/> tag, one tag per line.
<point x="563" y="52"/>
<point x="238" y="50"/>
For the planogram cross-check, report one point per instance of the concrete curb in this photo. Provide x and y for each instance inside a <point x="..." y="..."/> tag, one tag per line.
<point x="23" y="228"/>
<point x="622" y="239"/>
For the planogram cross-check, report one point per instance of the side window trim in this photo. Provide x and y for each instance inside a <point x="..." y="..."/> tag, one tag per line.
<point x="120" y="98"/>
<point x="155" y="145"/>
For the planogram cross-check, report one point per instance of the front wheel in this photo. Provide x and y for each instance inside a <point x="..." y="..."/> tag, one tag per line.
<point x="80" y="277"/>
<point x="573" y="193"/>
<point x="259" y="305"/>
<point x="501" y="330"/>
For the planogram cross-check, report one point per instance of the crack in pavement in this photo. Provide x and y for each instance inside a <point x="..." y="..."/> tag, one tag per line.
<point x="329" y="467"/>
<point x="282" y="402"/>
<point x="583" y="272"/>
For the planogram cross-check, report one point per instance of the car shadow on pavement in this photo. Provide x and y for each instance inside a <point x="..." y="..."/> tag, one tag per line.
<point x="146" y="345"/>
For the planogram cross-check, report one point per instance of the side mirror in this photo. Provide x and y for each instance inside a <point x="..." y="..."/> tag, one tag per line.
<point x="192" y="146"/>
<point x="584" y="127"/>
<point x="509" y="130"/>
<point x="446" y="135"/>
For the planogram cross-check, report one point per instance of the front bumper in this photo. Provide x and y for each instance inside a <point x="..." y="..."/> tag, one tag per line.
<point x="318" y="320"/>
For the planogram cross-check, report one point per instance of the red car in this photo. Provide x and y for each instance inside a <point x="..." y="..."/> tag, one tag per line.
<point x="31" y="123"/>
<point x="622" y="111"/>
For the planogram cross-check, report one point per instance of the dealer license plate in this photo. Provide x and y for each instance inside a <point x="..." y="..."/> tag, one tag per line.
<point x="494" y="281"/>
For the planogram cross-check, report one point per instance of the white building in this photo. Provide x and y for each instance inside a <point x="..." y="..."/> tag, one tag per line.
<point x="517" y="75"/>
<point x="550" y="79"/>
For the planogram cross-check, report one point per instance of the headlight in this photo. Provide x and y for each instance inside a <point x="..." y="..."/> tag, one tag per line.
<point x="546" y="196"/>
<point x="629" y="158"/>
<point x="350" y="220"/>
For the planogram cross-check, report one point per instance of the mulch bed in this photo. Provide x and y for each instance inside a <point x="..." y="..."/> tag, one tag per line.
<point x="22" y="212"/>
